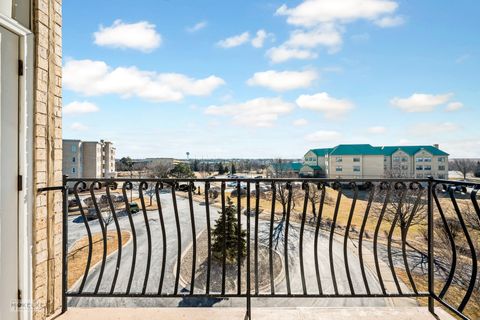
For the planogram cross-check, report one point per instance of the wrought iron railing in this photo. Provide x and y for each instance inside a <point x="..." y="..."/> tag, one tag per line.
<point x="310" y="238"/>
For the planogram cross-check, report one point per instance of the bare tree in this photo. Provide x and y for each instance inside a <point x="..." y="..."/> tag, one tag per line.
<point x="159" y="169"/>
<point x="465" y="166"/>
<point x="285" y="193"/>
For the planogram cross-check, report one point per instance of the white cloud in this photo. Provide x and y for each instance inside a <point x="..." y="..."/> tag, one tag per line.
<point x="392" y="21"/>
<point x="433" y="129"/>
<point x="454" y="106"/>
<point x="196" y="27"/>
<point x="321" y="23"/>
<point x="323" y="136"/>
<point x="77" y="107"/>
<point x="283" y="80"/>
<point x="377" y="130"/>
<point x="260" y="38"/>
<point x="283" y="53"/>
<point x="300" y="122"/>
<point x="259" y="112"/>
<point x="301" y="42"/>
<point x="420" y="102"/>
<point x="77" y="126"/>
<point x="331" y="107"/>
<point x="326" y="35"/>
<point x="234" y="41"/>
<point x="92" y="78"/>
<point x="310" y="13"/>
<point x="139" y="36"/>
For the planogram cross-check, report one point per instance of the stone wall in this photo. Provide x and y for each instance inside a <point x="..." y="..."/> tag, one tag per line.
<point x="47" y="216"/>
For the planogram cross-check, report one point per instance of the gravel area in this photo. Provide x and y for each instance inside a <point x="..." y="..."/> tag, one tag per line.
<point x="231" y="284"/>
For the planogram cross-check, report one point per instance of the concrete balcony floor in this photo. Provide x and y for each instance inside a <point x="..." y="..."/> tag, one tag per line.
<point x="370" y="313"/>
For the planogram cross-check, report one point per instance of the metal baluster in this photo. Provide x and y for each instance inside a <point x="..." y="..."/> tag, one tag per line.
<point x="158" y="187"/>
<point x="127" y="185"/>
<point x="144" y="186"/>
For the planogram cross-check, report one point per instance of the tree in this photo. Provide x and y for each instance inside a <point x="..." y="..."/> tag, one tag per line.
<point x="465" y="166"/>
<point x="477" y="170"/>
<point x="233" y="170"/>
<point x="159" y="169"/>
<point x="195" y="165"/>
<point x="225" y="235"/>
<point x="182" y="171"/>
<point x="126" y="164"/>
<point x="221" y="169"/>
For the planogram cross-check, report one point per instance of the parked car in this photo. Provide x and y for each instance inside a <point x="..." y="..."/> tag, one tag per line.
<point x="234" y="193"/>
<point x="118" y="198"/>
<point x="185" y="187"/>
<point x="134" y="208"/>
<point x="258" y="177"/>
<point x="72" y="203"/>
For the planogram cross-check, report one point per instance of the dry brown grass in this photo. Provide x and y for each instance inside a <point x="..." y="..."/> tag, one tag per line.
<point x="454" y="295"/>
<point x="77" y="257"/>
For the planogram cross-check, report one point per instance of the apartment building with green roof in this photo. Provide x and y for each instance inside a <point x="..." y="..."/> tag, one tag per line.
<point x="367" y="161"/>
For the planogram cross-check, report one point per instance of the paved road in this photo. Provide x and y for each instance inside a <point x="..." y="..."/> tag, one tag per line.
<point x="77" y="230"/>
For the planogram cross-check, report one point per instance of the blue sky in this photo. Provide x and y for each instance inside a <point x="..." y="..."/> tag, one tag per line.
<point x="265" y="79"/>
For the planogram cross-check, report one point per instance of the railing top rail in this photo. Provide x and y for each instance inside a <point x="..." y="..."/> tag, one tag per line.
<point x="458" y="183"/>
<point x="251" y="179"/>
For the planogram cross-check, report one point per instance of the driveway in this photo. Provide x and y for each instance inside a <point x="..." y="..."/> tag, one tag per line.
<point x="77" y="230"/>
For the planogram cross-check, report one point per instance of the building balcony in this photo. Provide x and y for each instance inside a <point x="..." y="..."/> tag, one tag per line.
<point x="302" y="248"/>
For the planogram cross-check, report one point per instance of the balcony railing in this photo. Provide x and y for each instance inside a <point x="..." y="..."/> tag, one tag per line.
<point x="272" y="238"/>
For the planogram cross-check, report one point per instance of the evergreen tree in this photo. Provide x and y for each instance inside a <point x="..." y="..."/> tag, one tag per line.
<point x="233" y="170"/>
<point x="195" y="165"/>
<point x="477" y="170"/>
<point x="221" y="170"/>
<point x="226" y="229"/>
<point x="182" y="171"/>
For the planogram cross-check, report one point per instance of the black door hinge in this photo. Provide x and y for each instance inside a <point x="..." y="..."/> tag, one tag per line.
<point x="20" y="67"/>
<point x="20" y="183"/>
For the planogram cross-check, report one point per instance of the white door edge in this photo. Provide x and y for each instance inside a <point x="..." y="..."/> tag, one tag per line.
<point x="27" y="195"/>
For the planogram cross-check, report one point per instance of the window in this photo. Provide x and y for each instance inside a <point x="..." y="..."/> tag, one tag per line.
<point x="356" y="159"/>
<point x="339" y="169"/>
<point x="338" y="159"/>
<point x="356" y="168"/>
<point x="427" y="168"/>
<point x="74" y="148"/>
<point x="419" y="168"/>
<point x="441" y="159"/>
<point x="404" y="159"/>
<point x="428" y="159"/>
<point x="419" y="159"/>
<point x="73" y="159"/>
<point x="441" y="168"/>
<point x="404" y="167"/>
<point x="396" y="159"/>
<point x="73" y="170"/>
<point x="441" y="176"/>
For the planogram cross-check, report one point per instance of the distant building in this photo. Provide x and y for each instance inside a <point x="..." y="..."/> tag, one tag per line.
<point x="88" y="159"/>
<point x="284" y="169"/>
<point x="366" y="161"/>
